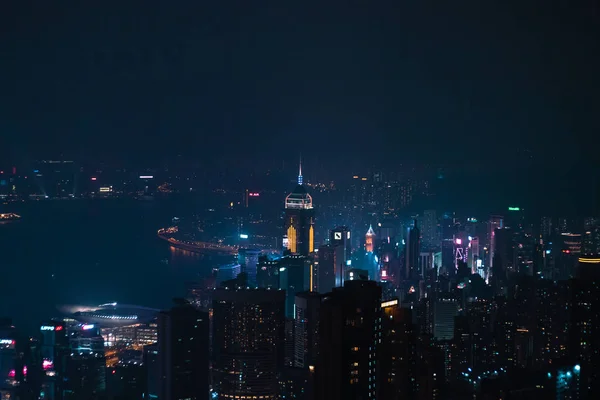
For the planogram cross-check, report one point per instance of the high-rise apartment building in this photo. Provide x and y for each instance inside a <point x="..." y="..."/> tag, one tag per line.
<point x="183" y="361"/>
<point x="248" y="342"/>
<point x="350" y="333"/>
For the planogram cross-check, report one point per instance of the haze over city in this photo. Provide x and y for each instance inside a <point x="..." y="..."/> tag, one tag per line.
<point x="315" y="200"/>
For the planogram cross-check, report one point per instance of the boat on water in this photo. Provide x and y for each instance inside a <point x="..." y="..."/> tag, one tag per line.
<point x="8" y="217"/>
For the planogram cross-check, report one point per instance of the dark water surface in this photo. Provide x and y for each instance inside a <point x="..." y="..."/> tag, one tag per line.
<point x="90" y="252"/>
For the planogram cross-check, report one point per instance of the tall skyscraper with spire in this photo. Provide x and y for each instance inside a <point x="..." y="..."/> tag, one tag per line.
<point x="299" y="219"/>
<point x="369" y="240"/>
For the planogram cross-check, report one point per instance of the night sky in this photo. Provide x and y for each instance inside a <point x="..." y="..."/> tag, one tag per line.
<point x="462" y="84"/>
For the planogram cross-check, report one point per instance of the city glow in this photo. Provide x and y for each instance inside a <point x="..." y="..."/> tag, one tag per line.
<point x="243" y="236"/>
<point x="46" y="328"/>
<point x="146" y="177"/>
<point x="458" y="241"/>
<point x="514" y="209"/>
<point x="254" y="194"/>
<point x="87" y="327"/>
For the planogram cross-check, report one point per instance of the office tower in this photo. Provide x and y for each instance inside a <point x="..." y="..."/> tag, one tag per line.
<point x="248" y="259"/>
<point x="85" y="377"/>
<point x="228" y="272"/>
<point x="306" y="329"/>
<point x="429" y="230"/>
<point x="445" y="308"/>
<point x="54" y="349"/>
<point x="397" y="353"/>
<point x="546" y="228"/>
<point x="331" y="268"/>
<point x="248" y="342"/>
<point x="413" y="252"/>
<point x="566" y="259"/>
<point x="153" y="371"/>
<point x="340" y="236"/>
<point x="294" y="277"/>
<point x="183" y="358"/>
<point x="299" y="220"/>
<point x="504" y="257"/>
<point x="370" y="240"/>
<point x="350" y="333"/>
<point x="426" y="263"/>
<point x="267" y="274"/>
<point x="591" y="238"/>
<point x="567" y="225"/>
<point x="495" y="222"/>
<point x="448" y="228"/>
<point x="473" y="255"/>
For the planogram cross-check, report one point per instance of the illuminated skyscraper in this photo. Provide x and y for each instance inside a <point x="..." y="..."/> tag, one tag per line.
<point x="413" y="252"/>
<point x="349" y="336"/>
<point x="340" y="236"/>
<point x="85" y="375"/>
<point x="369" y="240"/>
<point x="429" y="230"/>
<point x="248" y="342"/>
<point x="496" y="222"/>
<point x="55" y="352"/>
<point x="299" y="220"/>
<point x="306" y="329"/>
<point x="330" y="268"/>
<point x="398" y="353"/>
<point x="294" y="277"/>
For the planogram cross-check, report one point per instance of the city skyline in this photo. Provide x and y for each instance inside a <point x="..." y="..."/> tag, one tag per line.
<point x="299" y="201"/>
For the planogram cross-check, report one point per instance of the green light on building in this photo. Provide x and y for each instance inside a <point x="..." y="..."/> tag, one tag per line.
<point x="514" y="208"/>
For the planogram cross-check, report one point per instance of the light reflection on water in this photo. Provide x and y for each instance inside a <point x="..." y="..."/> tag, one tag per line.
<point x="91" y="252"/>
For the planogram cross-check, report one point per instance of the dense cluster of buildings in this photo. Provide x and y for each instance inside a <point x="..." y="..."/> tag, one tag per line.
<point x="432" y="307"/>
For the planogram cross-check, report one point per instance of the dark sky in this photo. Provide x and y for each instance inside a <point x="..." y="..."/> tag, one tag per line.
<point x="477" y="83"/>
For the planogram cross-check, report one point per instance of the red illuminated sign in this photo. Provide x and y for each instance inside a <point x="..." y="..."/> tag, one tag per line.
<point x="254" y="194"/>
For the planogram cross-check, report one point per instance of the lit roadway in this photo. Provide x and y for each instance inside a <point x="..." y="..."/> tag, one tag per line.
<point x="196" y="247"/>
